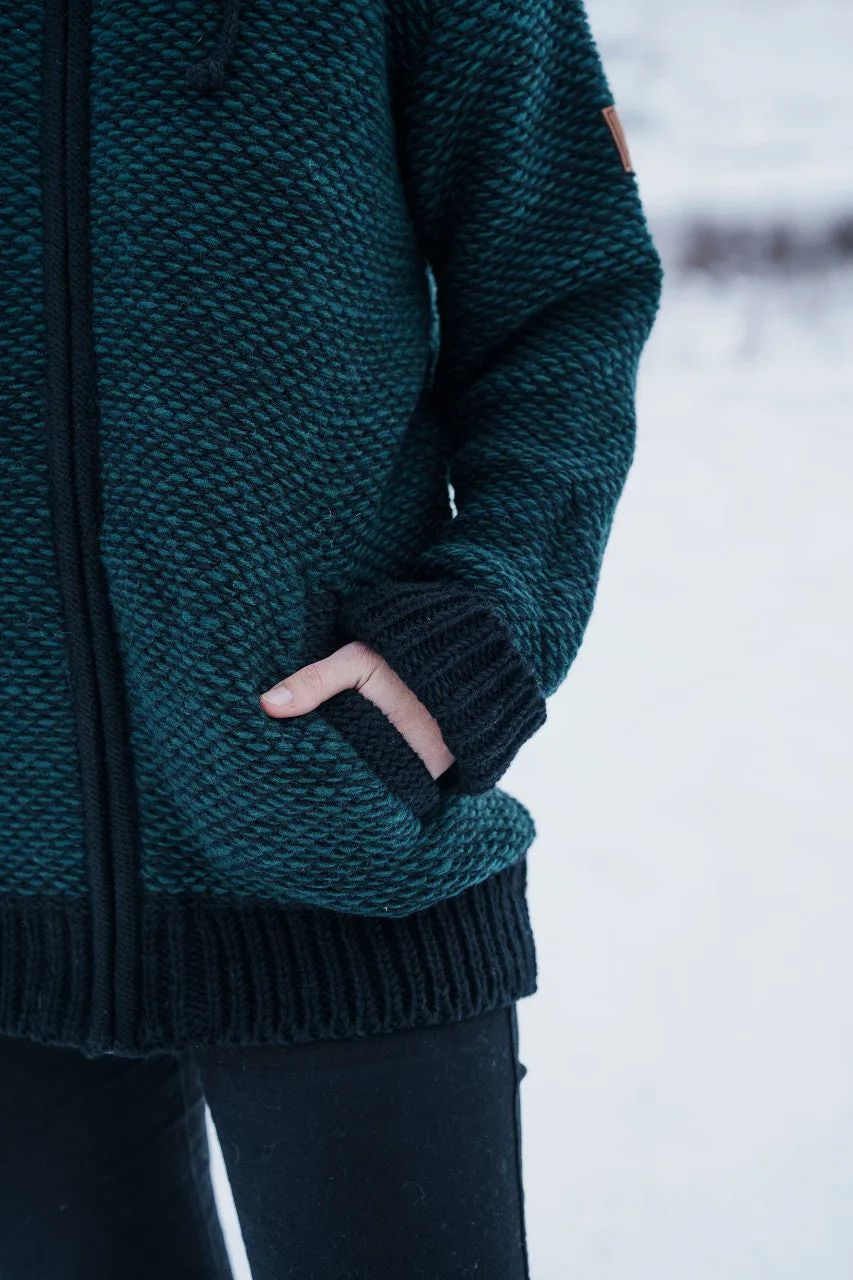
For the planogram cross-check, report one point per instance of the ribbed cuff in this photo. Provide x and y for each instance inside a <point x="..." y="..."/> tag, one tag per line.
<point x="455" y="653"/>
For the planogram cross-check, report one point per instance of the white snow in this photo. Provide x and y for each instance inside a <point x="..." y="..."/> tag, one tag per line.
<point x="688" y="1110"/>
<point x="740" y="106"/>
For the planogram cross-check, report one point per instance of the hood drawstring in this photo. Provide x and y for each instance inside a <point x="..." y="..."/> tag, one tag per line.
<point x="210" y="74"/>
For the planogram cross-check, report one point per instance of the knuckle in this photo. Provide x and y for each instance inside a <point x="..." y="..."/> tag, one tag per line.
<point x="361" y="655"/>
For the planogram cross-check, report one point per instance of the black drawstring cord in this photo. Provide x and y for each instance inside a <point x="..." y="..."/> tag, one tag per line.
<point x="209" y="74"/>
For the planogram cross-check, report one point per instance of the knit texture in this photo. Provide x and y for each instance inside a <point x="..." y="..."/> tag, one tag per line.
<point x="368" y="286"/>
<point x="458" y="657"/>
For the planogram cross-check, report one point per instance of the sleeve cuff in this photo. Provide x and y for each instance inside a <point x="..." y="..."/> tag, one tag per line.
<point x="457" y="656"/>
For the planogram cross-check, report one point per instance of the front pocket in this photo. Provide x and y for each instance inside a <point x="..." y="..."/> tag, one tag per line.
<point x="234" y="801"/>
<point x="367" y="729"/>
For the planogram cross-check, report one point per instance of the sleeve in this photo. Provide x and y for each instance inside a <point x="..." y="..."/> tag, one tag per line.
<point x="547" y="283"/>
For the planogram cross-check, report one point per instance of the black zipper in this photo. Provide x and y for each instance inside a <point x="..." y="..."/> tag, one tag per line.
<point x="108" y="790"/>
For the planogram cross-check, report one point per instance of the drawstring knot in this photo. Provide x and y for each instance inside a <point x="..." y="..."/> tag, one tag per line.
<point x="210" y="74"/>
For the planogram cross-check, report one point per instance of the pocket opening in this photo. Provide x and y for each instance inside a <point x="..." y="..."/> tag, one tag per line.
<point x="369" y="731"/>
<point x="383" y="747"/>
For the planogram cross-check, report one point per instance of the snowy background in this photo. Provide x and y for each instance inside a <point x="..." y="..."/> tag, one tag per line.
<point x="688" y="1108"/>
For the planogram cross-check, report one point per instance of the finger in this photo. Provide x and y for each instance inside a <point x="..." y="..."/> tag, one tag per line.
<point x="346" y="668"/>
<point x="389" y="692"/>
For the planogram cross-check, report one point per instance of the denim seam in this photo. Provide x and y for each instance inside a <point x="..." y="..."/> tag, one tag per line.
<point x="215" y="1244"/>
<point x="517" y="1078"/>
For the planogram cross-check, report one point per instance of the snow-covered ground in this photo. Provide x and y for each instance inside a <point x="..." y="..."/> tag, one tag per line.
<point x="688" y="1108"/>
<point x="689" y="1104"/>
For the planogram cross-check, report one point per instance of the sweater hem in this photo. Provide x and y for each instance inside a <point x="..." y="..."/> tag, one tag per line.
<point x="219" y="970"/>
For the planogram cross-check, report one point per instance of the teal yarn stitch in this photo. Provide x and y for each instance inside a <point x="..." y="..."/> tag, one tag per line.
<point x="275" y="276"/>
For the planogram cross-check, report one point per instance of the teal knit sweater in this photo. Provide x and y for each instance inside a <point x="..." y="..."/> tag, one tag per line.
<point x="320" y="322"/>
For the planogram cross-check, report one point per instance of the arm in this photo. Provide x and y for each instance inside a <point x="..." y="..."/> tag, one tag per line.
<point x="547" y="284"/>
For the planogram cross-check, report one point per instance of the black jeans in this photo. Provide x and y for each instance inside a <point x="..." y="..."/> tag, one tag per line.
<point x="393" y="1156"/>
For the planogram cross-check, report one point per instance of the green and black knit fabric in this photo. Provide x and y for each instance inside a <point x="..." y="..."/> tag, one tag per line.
<point x="320" y="322"/>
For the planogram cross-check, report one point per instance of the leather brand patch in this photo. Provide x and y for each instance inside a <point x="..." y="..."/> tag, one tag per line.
<point x="614" y="124"/>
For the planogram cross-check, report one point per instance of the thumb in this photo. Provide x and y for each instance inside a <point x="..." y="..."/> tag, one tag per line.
<point x="346" y="668"/>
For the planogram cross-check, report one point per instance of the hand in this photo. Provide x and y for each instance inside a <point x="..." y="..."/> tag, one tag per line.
<point x="357" y="666"/>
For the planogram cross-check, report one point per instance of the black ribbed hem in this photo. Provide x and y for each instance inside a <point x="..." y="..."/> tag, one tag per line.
<point x="218" y="971"/>
<point x="455" y="653"/>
